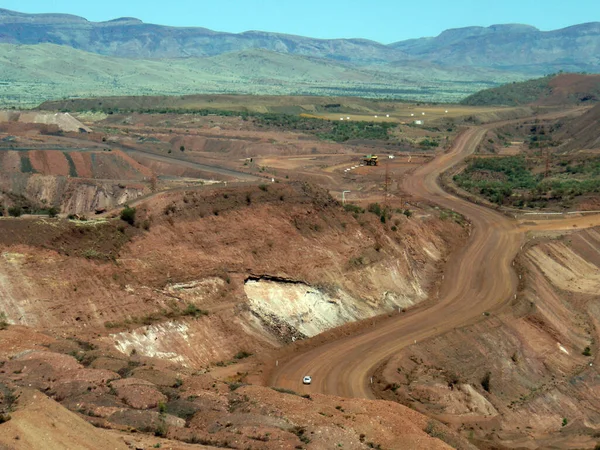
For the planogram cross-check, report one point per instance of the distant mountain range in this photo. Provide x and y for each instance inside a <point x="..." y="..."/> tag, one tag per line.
<point x="131" y="38"/>
<point x="520" y="48"/>
<point x="51" y="56"/>
<point x="512" y="47"/>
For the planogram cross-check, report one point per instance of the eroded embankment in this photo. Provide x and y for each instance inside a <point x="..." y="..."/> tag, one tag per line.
<point x="206" y="275"/>
<point x="528" y="374"/>
<point x="71" y="181"/>
<point x="309" y="310"/>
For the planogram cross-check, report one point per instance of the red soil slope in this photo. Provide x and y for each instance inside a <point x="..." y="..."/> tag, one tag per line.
<point x="584" y="132"/>
<point x="572" y="88"/>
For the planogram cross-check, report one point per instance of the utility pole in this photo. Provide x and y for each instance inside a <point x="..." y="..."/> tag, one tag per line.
<point x="547" y="163"/>
<point x="344" y="197"/>
<point x="386" y="203"/>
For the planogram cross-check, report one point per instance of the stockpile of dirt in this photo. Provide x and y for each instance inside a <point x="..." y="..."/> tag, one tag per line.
<point x="64" y="121"/>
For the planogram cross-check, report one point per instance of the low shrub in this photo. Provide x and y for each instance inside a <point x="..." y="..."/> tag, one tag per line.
<point x="15" y="211"/>
<point x="485" y="382"/>
<point x="242" y="354"/>
<point x="349" y="207"/>
<point x="193" y="311"/>
<point x="128" y="215"/>
<point x="3" y="322"/>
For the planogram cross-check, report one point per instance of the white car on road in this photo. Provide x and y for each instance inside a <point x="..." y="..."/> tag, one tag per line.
<point x="306" y="380"/>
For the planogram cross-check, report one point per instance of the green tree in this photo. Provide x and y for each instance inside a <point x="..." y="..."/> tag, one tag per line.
<point x="15" y="211"/>
<point x="128" y="215"/>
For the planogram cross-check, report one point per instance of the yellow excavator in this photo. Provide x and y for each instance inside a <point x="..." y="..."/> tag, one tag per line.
<point x="370" y="160"/>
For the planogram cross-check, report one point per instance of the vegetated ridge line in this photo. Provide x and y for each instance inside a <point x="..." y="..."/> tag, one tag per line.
<point x="478" y="279"/>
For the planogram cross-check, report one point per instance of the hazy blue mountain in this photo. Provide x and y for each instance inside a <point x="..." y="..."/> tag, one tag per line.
<point x="513" y="47"/>
<point x="128" y="37"/>
<point x="46" y="56"/>
<point x="520" y="47"/>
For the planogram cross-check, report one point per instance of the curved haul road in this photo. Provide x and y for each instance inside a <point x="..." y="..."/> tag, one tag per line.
<point x="478" y="278"/>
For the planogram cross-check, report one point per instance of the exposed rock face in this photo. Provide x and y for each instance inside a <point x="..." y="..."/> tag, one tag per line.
<point x="162" y="335"/>
<point x="310" y="310"/>
<point x="583" y="132"/>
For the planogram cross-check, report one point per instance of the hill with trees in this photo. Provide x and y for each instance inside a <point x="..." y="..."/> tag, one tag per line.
<point x="552" y="90"/>
<point x="49" y="56"/>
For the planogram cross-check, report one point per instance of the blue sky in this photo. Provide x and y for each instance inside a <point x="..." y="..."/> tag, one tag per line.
<point x="385" y="21"/>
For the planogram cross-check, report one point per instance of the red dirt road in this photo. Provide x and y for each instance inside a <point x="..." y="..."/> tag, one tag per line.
<point x="478" y="278"/>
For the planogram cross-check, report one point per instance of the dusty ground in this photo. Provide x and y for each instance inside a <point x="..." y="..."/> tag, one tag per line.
<point x="537" y="379"/>
<point x="238" y="269"/>
<point x="275" y="237"/>
<point x="124" y="157"/>
<point x="491" y="283"/>
<point x="180" y="310"/>
<point x="139" y="403"/>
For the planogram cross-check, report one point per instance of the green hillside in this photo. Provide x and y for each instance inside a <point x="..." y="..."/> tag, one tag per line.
<point x="552" y="90"/>
<point x="30" y="75"/>
<point x="513" y="94"/>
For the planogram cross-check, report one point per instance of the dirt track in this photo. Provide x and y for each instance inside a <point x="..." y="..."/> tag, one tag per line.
<point x="477" y="279"/>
